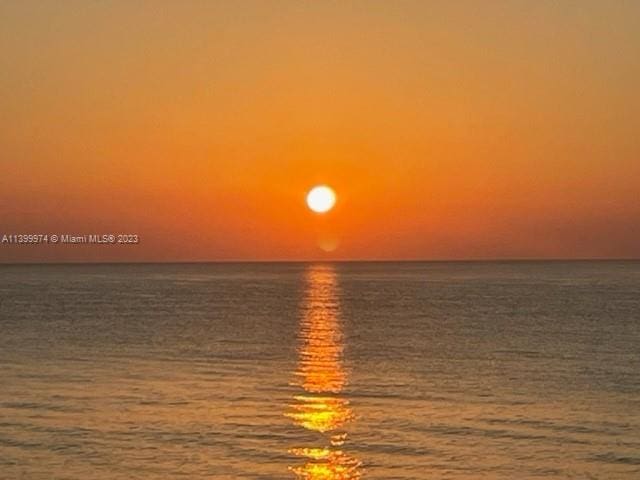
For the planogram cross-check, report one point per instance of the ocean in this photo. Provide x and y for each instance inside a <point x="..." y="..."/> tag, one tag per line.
<point x="412" y="370"/>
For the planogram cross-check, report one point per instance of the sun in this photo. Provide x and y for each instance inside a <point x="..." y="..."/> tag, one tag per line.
<point x="321" y="198"/>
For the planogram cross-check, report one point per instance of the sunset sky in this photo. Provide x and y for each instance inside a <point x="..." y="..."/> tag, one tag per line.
<point x="449" y="130"/>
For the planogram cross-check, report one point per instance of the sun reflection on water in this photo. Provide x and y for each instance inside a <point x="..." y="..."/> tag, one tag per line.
<point x="320" y="374"/>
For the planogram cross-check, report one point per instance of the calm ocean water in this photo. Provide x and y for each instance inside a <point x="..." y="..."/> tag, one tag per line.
<point x="511" y="370"/>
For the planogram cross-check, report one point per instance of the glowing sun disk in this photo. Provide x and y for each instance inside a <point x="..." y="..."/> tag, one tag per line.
<point x="321" y="198"/>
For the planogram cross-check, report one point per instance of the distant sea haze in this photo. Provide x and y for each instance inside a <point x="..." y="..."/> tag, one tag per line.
<point x="462" y="370"/>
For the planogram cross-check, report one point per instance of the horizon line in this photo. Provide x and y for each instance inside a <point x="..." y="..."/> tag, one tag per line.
<point x="283" y="261"/>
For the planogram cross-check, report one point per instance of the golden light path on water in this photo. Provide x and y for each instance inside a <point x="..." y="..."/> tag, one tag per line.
<point x="320" y="407"/>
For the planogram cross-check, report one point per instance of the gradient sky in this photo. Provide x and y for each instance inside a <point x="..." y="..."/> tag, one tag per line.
<point x="498" y="129"/>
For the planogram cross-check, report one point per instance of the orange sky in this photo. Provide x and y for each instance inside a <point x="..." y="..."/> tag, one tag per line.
<point x="448" y="129"/>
